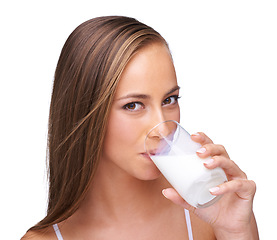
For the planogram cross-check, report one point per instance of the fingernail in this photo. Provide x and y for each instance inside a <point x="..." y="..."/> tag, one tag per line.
<point x="214" y="190"/>
<point x="195" y="134"/>
<point x="164" y="193"/>
<point x="208" y="161"/>
<point x="201" y="150"/>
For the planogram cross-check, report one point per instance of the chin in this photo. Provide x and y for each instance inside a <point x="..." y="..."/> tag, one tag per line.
<point x="150" y="174"/>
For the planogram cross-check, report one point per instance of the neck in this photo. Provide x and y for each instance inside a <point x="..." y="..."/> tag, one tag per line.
<point x="116" y="195"/>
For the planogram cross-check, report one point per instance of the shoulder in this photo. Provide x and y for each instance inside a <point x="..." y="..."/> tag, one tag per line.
<point x="201" y="228"/>
<point x="45" y="234"/>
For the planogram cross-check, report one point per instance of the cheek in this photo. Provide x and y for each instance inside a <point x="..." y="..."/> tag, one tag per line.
<point x="122" y="133"/>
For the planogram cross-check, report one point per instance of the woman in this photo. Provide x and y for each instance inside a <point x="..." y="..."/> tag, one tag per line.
<point x="114" y="81"/>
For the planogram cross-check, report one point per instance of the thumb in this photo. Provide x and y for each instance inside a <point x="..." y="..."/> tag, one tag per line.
<point x="173" y="196"/>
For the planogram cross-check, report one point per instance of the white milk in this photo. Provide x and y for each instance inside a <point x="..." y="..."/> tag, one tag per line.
<point x="191" y="179"/>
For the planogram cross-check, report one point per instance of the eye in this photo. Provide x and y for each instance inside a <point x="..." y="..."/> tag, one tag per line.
<point x="133" y="106"/>
<point x="171" y="100"/>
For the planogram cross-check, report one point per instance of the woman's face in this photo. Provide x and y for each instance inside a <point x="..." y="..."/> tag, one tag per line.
<point x="147" y="94"/>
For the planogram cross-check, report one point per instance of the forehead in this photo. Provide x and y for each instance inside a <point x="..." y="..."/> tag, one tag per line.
<point x="151" y="68"/>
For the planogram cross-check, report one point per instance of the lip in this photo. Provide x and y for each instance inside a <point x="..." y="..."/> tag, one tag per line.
<point x="145" y="155"/>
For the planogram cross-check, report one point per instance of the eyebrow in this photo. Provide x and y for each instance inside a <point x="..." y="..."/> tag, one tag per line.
<point x="145" y="96"/>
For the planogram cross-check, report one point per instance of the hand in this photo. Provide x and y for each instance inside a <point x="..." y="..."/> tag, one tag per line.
<point x="232" y="215"/>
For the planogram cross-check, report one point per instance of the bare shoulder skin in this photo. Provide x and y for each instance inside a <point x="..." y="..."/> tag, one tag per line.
<point x="201" y="230"/>
<point x="46" y="234"/>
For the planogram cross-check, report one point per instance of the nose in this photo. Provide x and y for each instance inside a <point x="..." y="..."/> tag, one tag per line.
<point x="164" y="129"/>
<point x="161" y="128"/>
<point x="157" y="116"/>
<point x="158" y="141"/>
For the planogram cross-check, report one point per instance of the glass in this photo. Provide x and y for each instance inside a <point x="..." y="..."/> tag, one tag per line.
<point x="174" y="153"/>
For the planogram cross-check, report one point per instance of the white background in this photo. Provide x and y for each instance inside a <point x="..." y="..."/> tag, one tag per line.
<point x="225" y="54"/>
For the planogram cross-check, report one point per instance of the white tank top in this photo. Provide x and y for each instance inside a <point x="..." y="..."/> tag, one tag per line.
<point x="60" y="237"/>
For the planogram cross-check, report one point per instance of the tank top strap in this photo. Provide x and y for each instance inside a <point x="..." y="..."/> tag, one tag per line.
<point x="57" y="231"/>
<point x="187" y="215"/>
<point x="188" y="224"/>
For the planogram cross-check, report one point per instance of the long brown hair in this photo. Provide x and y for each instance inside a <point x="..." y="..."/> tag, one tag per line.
<point x="87" y="73"/>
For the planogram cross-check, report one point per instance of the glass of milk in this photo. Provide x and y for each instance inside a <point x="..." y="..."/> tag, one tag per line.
<point x="174" y="153"/>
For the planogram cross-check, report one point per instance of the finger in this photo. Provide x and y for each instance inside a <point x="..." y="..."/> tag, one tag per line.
<point x="201" y="138"/>
<point x="245" y="189"/>
<point x="231" y="169"/>
<point x="212" y="150"/>
<point x="173" y="196"/>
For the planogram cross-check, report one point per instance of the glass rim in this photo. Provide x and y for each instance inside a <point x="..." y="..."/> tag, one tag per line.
<point x="157" y="125"/>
